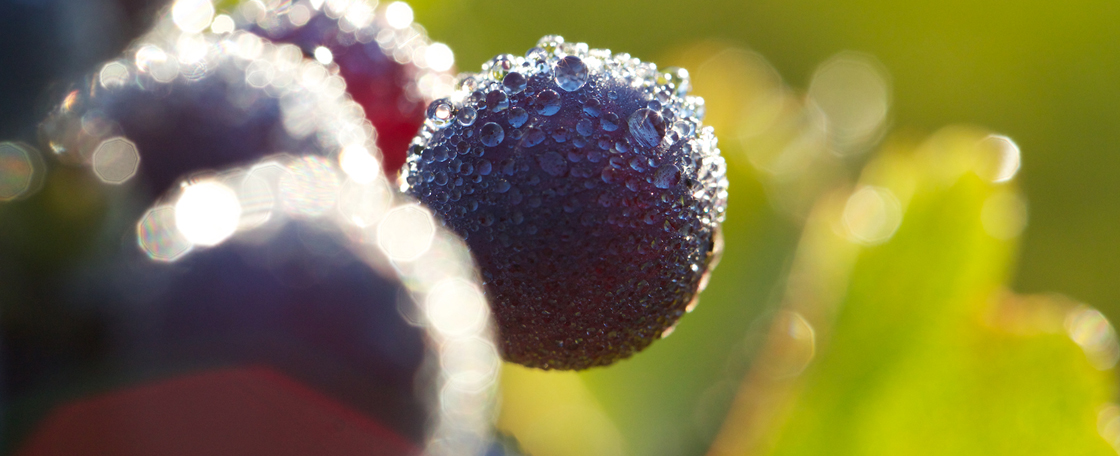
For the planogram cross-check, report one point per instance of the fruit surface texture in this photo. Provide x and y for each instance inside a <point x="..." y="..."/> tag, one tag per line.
<point x="588" y="191"/>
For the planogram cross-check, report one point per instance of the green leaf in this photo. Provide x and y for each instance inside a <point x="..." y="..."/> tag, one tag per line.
<point x="918" y="355"/>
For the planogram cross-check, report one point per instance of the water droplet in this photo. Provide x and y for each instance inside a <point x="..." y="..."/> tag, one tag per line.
<point x="609" y="175"/>
<point x="612" y="95"/>
<point x="667" y="176"/>
<point x="439" y="154"/>
<point x="533" y="137"/>
<point x="497" y="101"/>
<point x="466" y="116"/>
<point x="502" y="186"/>
<point x="468" y="85"/>
<point x="593" y="107"/>
<point x="560" y="134"/>
<point x="684" y="128"/>
<point x="517" y="117"/>
<point x="440" y="112"/>
<point x="547" y="102"/>
<point x="575" y="156"/>
<point x="585" y="127"/>
<point x="491" y="134"/>
<point x="550" y="42"/>
<point x="637" y="165"/>
<point x="609" y="122"/>
<point x="647" y="127"/>
<point x="500" y="66"/>
<point x="514" y="82"/>
<point x="553" y="164"/>
<point x="484" y="167"/>
<point x="654" y="105"/>
<point x="570" y="73"/>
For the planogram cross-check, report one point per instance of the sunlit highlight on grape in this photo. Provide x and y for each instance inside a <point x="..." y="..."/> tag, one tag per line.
<point x="364" y="204"/>
<point x="471" y="363"/>
<point x="310" y="187"/>
<point x="222" y="24"/>
<point x="192" y="16"/>
<point x="406" y="232"/>
<point x="207" y="213"/>
<point x="359" y="14"/>
<point x="871" y="215"/>
<point x="324" y="55"/>
<point x="358" y="163"/>
<point x="115" y="160"/>
<point x="17" y="171"/>
<point x="152" y="60"/>
<point x="455" y="307"/>
<point x="439" y="57"/>
<point x="113" y="74"/>
<point x="256" y="200"/>
<point x="158" y="236"/>
<point x="398" y="15"/>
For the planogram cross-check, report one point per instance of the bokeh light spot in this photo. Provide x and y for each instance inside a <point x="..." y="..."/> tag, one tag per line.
<point x="1091" y="330"/>
<point x="310" y="187"/>
<point x="324" y="55"/>
<point x="456" y="307"/>
<point x="222" y="24"/>
<point x="439" y="57"/>
<point x="358" y="163"/>
<point x="192" y="16"/>
<point x="398" y="15"/>
<point x="115" y="160"/>
<point x="406" y="232"/>
<point x="113" y="75"/>
<point x="471" y="364"/>
<point x="17" y="171"/>
<point x="207" y="213"/>
<point x="853" y="91"/>
<point x="364" y="204"/>
<point x="871" y="215"/>
<point x="152" y="60"/>
<point x="159" y="238"/>
<point x="1001" y="159"/>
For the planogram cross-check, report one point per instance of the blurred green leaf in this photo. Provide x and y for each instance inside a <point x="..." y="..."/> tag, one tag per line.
<point x="920" y="358"/>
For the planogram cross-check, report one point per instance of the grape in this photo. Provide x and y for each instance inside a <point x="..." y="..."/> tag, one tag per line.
<point x="588" y="191"/>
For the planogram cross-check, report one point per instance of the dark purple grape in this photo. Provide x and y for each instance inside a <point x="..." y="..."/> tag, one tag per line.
<point x="177" y="104"/>
<point x="588" y="191"/>
<point x="323" y="281"/>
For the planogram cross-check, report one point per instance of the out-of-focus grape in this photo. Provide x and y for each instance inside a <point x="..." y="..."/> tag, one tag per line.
<point x="241" y="249"/>
<point x="390" y="66"/>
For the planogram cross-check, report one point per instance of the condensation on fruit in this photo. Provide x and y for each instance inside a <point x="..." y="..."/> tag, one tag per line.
<point x="588" y="190"/>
